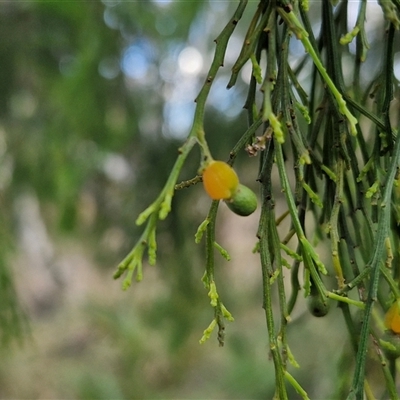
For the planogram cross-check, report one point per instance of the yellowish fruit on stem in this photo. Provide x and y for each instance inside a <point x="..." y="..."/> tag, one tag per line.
<point x="392" y="317"/>
<point x="220" y="180"/>
<point x="243" y="201"/>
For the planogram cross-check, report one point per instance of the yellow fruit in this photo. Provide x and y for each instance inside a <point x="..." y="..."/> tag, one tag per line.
<point x="392" y="317"/>
<point x="243" y="201"/>
<point x="220" y="180"/>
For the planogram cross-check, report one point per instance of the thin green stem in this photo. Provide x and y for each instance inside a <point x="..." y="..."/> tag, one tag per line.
<point x="310" y="257"/>
<point x="333" y="223"/>
<point x="267" y="271"/>
<point x="347" y="300"/>
<point x="250" y="40"/>
<point x="376" y="259"/>
<point x="218" y="61"/>
<point x="220" y="312"/>
<point x="296" y="26"/>
<point x="390" y="384"/>
<point x="161" y="207"/>
<point x="296" y="386"/>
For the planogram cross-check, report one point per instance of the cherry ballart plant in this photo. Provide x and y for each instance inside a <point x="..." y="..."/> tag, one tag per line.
<point x="332" y="150"/>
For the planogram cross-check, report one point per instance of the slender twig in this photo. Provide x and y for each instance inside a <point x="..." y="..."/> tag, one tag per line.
<point x="383" y="227"/>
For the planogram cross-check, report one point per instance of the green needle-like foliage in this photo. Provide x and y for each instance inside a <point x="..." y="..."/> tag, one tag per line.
<point x="333" y="154"/>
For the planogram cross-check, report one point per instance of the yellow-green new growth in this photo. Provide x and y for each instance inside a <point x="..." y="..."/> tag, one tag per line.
<point x="348" y="38"/>
<point x="207" y="332"/>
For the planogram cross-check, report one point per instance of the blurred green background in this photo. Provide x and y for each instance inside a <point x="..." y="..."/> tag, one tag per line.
<point x="95" y="99"/>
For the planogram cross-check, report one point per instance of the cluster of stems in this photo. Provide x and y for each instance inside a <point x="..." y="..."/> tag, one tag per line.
<point x="339" y="146"/>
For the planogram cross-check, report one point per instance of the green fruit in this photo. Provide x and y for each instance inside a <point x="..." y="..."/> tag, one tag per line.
<point x="390" y="344"/>
<point x="317" y="306"/>
<point x="243" y="202"/>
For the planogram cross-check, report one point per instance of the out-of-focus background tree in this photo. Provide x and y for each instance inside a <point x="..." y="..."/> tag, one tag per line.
<point x="95" y="99"/>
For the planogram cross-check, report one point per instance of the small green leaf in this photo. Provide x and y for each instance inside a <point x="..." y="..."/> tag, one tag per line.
<point x="291" y="358"/>
<point x="256" y="69"/>
<point x="313" y="254"/>
<point x="152" y="247"/>
<point x="213" y="294"/>
<point x="222" y="251"/>
<point x="390" y="11"/>
<point x="256" y="248"/>
<point x="165" y="207"/>
<point x="372" y="190"/>
<point x="305" y="158"/>
<point x="207" y="332"/>
<point x="304" y="112"/>
<point x="313" y="196"/>
<point x="142" y="217"/>
<point x="277" y="128"/>
<point x="348" y="38"/>
<point x="200" y="230"/>
<point x="291" y="253"/>
<point x="329" y="172"/>
<point x="273" y="277"/>
<point x="128" y="280"/>
<point x="285" y="263"/>
<point x="366" y="168"/>
<point x="305" y="5"/>
<point x="227" y="315"/>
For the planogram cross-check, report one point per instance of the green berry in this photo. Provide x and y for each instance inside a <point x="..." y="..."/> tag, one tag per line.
<point x="243" y="202"/>
<point x="317" y="306"/>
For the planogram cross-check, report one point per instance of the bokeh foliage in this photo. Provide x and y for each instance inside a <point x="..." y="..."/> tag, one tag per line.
<point x="68" y="112"/>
